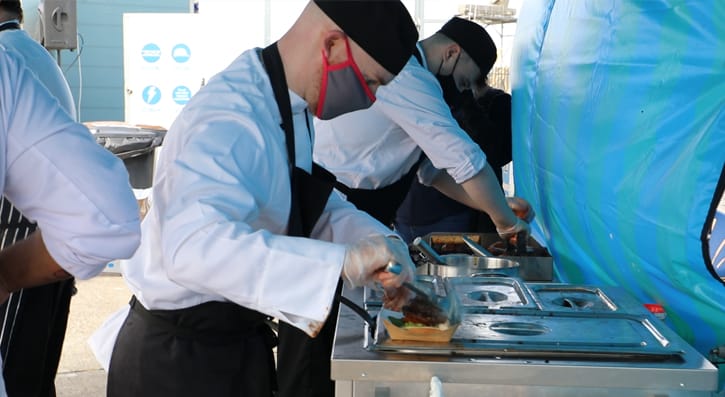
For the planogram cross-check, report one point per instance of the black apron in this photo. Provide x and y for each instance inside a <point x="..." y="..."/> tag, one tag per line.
<point x="217" y="348"/>
<point x="303" y="363"/>
<point x="34" y="319"/>
<point x="381" y="203"/>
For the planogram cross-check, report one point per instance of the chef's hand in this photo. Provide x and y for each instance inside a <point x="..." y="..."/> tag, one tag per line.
<point x="521" y="208"/>
<point x="520" y="226"/>
<point x="365" y="262"/>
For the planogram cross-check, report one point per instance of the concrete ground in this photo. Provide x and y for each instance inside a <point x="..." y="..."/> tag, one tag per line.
<point x="79" y="374"/>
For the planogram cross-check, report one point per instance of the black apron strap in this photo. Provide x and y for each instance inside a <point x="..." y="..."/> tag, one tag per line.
<point x="303" y="363"/>
<point x="309" y="192"/>
<point x="275" y="69"/>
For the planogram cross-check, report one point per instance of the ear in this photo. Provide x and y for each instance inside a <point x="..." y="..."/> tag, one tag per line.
<point x="452" y="50"/>
<point x="330" y="39"/>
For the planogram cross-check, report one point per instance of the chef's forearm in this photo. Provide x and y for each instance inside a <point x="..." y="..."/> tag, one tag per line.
<point x="448" y="186"/>
<point x="27" y="263"/>
<point x="485" y="190"/>
<point x="482" y="192"/>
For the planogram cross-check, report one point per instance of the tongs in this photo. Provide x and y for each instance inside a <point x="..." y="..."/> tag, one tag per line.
<point x="476" y="248"/>
<point x="395" y="268"/>
<point x="520" y="248"/>
<point x="430" y="254"/>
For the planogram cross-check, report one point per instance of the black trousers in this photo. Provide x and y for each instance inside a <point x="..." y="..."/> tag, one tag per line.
<point x="34" y="326"/>
<point x="303" y="363"/>
<point x="213" y="349"/>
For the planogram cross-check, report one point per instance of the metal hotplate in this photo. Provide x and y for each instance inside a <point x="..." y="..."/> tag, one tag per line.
<point x="490" y="292"/>
<point x="505" y="317"/>
<point x="620" y="338"/>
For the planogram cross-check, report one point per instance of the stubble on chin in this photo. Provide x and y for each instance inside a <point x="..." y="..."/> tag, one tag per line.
<point x="313" y="92"/>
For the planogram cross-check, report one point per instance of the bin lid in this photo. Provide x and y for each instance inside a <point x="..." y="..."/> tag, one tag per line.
<point x="124" y="139"/>
<point x="123" y="128"/>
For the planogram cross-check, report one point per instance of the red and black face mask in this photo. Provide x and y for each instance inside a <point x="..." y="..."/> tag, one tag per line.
<point x="343" y="88"/>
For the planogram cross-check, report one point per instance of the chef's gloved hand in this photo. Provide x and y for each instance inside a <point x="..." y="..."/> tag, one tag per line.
<point x="365" y="262"/>
<point x="520" y="226"/>
<point x="521" y="208"/>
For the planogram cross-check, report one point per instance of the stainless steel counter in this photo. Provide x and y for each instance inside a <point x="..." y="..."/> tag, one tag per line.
<point x="361" y="372"/>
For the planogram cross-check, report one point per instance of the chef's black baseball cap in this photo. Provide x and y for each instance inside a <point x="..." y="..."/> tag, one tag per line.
<point x="384" y="29"/>
<point x="474" y="39"/>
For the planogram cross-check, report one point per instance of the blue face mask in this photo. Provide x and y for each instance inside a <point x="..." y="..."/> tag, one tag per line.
<point x="343" y="88"/>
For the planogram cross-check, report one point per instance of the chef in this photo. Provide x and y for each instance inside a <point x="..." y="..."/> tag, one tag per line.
<point x="53" y="171"/>
<point x="34" y="319"/>
<point x="243" y="226"/>
<point x="375" y="153"/>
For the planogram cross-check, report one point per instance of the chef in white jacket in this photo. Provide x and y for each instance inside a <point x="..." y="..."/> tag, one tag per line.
<point x="375" y="152"/>
<point x="53" y="171"/>
<point x="33" y="320"/>
<point x="242" y="226"/>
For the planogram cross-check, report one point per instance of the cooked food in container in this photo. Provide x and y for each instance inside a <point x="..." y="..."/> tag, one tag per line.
<point x="421" y="320"/>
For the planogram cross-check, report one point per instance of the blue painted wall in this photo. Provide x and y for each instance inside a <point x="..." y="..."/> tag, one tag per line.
<point x="96" y="77"/>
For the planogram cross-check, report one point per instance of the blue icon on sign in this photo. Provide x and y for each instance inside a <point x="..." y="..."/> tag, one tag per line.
<point x="181" y="53"/>
<point x="151" y="95"/>
<point x="151" y="53"/>
<point x="181" y="95"/>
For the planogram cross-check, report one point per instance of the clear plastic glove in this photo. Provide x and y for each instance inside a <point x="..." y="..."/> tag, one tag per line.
<point x="521" y="208"/>
<point x="519" y="226"/>
<point x="365" y="262"/>
<point x="395" y="298"/>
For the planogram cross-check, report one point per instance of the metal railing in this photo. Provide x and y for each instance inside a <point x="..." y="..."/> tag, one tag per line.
<point x="498" y="77"/>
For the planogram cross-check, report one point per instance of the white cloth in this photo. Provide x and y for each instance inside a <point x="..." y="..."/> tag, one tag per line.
<point x="103" y="339"/>
<point x="52" y="169"/>
<point x="221" y="199"/>
<point x="375" y="147"/>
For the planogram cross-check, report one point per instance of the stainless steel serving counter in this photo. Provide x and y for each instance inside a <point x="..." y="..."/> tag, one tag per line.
<point x="361" y="372"/>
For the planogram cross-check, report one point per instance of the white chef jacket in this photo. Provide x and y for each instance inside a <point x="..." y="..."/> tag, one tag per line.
<point x="221" y="201"/>
<point x="55" y="173"/>
<point x="41" y="63"/>
<point x="375" y="147"/>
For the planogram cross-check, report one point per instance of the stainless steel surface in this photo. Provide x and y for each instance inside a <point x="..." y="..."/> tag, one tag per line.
<point x="491" y="293"/>
<point x="462" y="265"/>
<point x="361" y="372"/>
<point x="503" y="317"/>
<point x="476" y="248"/>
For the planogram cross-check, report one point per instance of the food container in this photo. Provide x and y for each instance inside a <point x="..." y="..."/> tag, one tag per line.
<point x="397" y="328"/>
<point x="535" y="265"/>
<point x="462" y="265"/>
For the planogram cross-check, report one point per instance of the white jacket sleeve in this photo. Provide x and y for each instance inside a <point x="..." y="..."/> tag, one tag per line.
<point x="57" y="175"/>
<point x="414" y="101"/>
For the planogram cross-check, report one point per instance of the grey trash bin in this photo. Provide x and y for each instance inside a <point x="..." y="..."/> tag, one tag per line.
<point x="135" y="144"/>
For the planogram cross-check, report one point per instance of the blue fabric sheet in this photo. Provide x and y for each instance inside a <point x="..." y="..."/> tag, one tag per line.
<point x="619" y="143"/>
